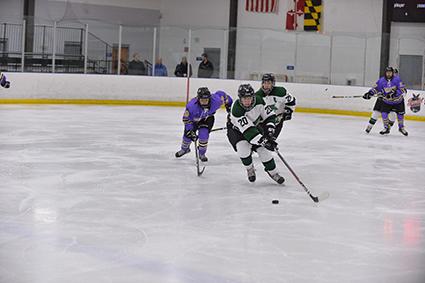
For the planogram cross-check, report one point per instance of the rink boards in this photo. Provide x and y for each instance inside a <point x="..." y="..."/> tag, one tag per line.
<point x="30" y="88"/>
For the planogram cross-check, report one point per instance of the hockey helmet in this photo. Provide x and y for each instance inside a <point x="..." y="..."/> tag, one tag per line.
<point x="267" y="82"/>
<point x="204" y="96"/>
<point x="246" y="96"/>
<point x="387" y="70"/>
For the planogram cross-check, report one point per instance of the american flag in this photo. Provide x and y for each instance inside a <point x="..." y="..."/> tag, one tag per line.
<point x="261" y="6"/>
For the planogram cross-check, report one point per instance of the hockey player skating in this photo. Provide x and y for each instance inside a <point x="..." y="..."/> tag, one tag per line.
<point x="392" y="91"/>
<point x="3" y="81"/>
<point x="281" y="101"/>
<point x="250" y="111"/>
<point x="199" y="118"/>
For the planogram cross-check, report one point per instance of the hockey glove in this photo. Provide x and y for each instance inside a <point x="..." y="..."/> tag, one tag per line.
<point x="190" y="134"/>
<point x="269" y="144"/>
<point x="228" y="108"/>
<point x="287" y="114"/>
<point x="3" y="82"/>
<point x="269" y="133"/>
<point x="367" y="95"/>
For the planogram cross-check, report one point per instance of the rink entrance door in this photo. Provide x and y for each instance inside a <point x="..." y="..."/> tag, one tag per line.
<point x="124" y="58"/>
<point x="411" y="67"/>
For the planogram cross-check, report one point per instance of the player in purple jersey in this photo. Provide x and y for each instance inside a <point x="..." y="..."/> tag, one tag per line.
<point x="377" y="111"/>
<point x="392" y="90"/>
<point x="3" y="81"/>
<point x="199" y="117"/>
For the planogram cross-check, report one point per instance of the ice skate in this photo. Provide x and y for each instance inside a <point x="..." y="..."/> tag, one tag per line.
<point x="182" y="152"/>
<point x="279" y="179"/>
<point x="385" y="131"/>
<point x="203" y="158"/>
<point x="368" y="129"/>
<point x="251" y="174"/>
<point x="403" y="131"/>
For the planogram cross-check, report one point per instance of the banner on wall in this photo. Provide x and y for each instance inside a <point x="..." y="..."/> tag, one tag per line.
<point x="262" y="6"/>
<point x="293" y="15"/>
<point x="415" y="103"/>
<point x="312" y="14"/>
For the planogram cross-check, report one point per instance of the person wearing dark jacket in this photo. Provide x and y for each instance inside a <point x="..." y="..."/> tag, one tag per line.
<point x="136" y="66"/>
<point x="206" y="68"/>
<point x="181" y="69"/>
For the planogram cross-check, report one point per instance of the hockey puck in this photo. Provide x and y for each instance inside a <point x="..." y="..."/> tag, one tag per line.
<point x="275" y="201"/>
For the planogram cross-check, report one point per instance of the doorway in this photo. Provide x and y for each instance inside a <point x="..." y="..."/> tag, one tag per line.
<point x="411" y="68"/>
<point x="124" y="58"/>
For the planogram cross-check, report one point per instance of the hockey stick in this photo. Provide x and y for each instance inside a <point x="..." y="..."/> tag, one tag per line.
<point x="347" y="96"/>
<point x="199" y="172"/>
<point x="316" y="199"/>
<point x="379" y="94"/>
<point x="218" y="129"/>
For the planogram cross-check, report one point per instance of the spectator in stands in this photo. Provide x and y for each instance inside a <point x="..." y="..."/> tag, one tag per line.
<point x="181" y="69"/>
<point x="136" y="66"/>
<point x="123" y="67"/>
<point x="160" y="69"/>
<point x="206" y="68"/>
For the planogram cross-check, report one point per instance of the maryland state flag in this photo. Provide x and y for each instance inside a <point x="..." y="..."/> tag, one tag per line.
<point x="312" y="13"/>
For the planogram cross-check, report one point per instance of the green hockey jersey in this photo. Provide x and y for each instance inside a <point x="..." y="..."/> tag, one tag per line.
<point x="278" y="99"/>
<point x="247" y="120"/>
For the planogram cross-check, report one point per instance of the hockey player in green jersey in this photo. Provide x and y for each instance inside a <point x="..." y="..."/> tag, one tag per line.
<point x="282" y="102"/>
<point x="248" y="114"/>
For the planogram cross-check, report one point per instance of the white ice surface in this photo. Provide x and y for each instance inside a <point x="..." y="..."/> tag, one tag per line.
<point x="95" y="194"/>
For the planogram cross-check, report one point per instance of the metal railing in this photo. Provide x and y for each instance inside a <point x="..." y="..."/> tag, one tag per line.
<point x="74" y="47"/>
<point x="68" y="55"/>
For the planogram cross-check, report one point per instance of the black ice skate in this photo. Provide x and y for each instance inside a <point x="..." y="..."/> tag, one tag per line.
<point x="279" y="179"/>
<point x="385" y="131"/>
<point x="403" y="131"/>
<point x="203" y="158"/>
<point x="368" y="129"/>
<point x="182" y="152"/>
<point x="251" y="174"/>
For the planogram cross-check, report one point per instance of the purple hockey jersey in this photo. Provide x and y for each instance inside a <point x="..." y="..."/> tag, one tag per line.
<point x="391" y="90"/>
<point x="194" y="112"/>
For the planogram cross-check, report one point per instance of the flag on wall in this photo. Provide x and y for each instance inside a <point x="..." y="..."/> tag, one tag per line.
<point x="312" y="13"/>
<point x="261" y="6"/>
<point x="293" y="15"/>
<point x="299" y="6"/>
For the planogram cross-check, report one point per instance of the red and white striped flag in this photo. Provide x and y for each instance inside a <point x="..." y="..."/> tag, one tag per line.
<point x="261" y="6"/>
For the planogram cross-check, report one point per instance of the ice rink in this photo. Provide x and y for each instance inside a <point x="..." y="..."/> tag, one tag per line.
<point x="95" y="194"/>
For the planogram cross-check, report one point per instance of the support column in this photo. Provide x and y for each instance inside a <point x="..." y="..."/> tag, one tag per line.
<point x="231" y="48"/>
<point x="29" y="7"/>
<point x="385" y="35"/>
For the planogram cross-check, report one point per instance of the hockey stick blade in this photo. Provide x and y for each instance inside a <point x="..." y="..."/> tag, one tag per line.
<point x="200" y="171"/>
<point x="323" y="196"/>
<point x="347" y="96"/>
<point x="316" y="199"/>
<point x="218" y="129"/>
